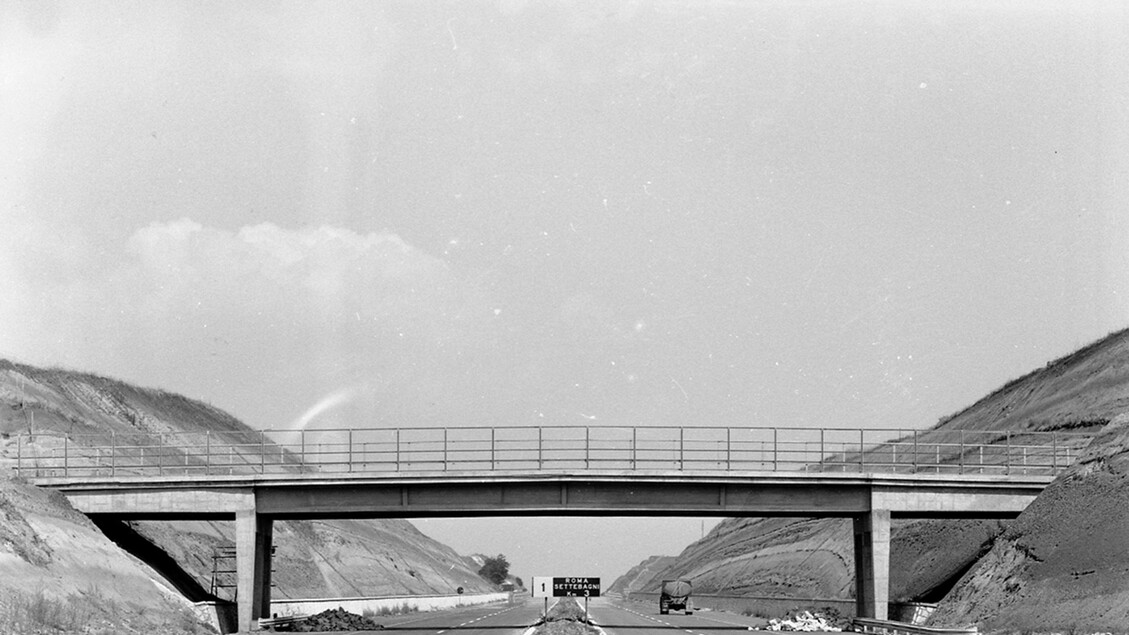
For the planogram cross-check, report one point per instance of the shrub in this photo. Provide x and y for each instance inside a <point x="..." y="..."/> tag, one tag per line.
<point x="495" y="569"/>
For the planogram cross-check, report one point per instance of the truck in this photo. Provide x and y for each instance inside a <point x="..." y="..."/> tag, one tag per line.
<point x="675" y="595"/>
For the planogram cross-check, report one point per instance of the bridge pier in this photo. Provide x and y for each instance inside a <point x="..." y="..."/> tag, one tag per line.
<point x="872" y="563"/>
<point x="253" y="539"/>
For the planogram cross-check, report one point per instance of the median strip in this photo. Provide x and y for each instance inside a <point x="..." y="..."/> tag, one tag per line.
<point x="566" y="617"/>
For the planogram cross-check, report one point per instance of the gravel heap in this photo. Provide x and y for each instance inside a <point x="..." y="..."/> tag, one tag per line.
<point x="566" y="610"/>
<point x="336" y="620"/>
<point x="804" y="621"/>
<point x="565" y="618"/>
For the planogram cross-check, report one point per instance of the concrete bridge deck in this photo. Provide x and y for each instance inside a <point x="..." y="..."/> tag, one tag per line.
<point x="517" y="493"/>
<point x="257" y="478"/>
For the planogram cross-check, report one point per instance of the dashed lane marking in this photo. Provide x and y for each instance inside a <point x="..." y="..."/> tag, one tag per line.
<point x="683" y="628"/>
<point x="477" y="619"/>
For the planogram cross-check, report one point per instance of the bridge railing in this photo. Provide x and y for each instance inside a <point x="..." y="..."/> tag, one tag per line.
<point x="549" y="448"/>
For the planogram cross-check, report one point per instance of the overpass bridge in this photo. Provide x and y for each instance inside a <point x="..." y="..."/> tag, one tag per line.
<point x="255" y="478"/>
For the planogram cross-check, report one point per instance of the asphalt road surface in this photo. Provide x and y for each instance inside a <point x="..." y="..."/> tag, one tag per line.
<point x="491" y="619"/>
<point x="616" y="617"/>
<point x="636" y="618"/>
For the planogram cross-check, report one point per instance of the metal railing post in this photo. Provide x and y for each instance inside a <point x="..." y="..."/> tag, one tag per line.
<point x="66" y="456"/>
<point x="1054" y="450"/>
<point x="540" y="449"/>
<point x="728" y="449"/>
<point x="262" y="452"/>
<point x="350" y="449"/>
<point x="775" y="448"/>
<point x="862" y="451"/>
<point x="587" y="445"/>
<point x="915" y="450"/>
<point x="821" y="450"/>
<point x="302" y="446"/>
<point x="113" y="452"/>
<point x="397" y="449"/>
<point x="444" y="449"/>
<point x="207" y="452"/>
<point x="492" y="465"/>
<point x="634" y="447"/>
<point x="161" y="454"/>
<point x="960" y="463"/>
<point x="682" y="448"/>
<point x="1007" y="458"/>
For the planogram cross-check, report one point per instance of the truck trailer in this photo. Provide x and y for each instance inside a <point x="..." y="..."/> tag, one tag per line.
<point x="675" y="595"/>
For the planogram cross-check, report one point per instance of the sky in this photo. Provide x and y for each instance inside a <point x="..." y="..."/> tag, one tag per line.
<point x="357" y="214"/>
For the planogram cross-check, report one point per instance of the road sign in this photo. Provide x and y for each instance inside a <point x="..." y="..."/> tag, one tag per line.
<point x="546" y="587"/>
<point x="576" y="587"/>
<point x="542" y="587"/>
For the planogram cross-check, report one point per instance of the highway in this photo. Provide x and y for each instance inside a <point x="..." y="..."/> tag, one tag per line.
<point x="491" y="619"/>
<point x="615" y="617"/>
<point x="618" y="617"/>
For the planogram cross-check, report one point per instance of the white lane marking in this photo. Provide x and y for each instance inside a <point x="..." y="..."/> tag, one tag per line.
<point x="475" y="620"/>
<point x="686" y="630"/>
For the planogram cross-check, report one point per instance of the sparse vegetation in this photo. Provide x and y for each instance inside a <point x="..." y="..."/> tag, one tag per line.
<point x="384" y="611"/>
<point x="751" y="612"/>
<point x="89" y="612"/>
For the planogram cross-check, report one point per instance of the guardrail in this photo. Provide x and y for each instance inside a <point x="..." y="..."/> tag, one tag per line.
<point x="890" y="627"/>
<point x="547" y="448"/>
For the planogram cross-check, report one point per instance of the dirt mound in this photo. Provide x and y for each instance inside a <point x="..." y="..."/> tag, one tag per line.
<point x="1061" y="566"/>
<point x="566" y="618"/>
<point x="336" y="620"/>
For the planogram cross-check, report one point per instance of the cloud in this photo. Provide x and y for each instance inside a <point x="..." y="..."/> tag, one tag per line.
<point x="223" y="314"/>
<point x="305" y="264"/>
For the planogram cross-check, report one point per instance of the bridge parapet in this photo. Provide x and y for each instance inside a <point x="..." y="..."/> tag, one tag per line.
<point x="547" y="448"/>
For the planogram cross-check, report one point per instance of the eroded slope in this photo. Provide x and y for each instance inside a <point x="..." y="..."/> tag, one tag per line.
<point x="806" y="558"/>
<point x="315" y="559"/>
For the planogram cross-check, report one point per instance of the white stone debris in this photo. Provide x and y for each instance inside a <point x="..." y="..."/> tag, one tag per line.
<point x="805" y="621"/>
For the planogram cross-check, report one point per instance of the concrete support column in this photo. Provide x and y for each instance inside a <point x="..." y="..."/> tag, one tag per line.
<point x="253" y="540"/>
<point x="872" y="563"/>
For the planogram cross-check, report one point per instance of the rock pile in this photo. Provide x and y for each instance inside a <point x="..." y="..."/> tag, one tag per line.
<point x="804" y="621"/>
<point x="336" y="620"/>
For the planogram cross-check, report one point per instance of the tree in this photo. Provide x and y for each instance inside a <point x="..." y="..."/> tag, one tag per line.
<point x="495" y="569"/>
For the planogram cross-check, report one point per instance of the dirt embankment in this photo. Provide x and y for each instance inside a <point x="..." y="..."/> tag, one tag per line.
<point x="1063" y="565"/>
<point x="639" y="575"/>
<point x="59" y="573"/>
<point x="313" y="558"/>
<point x="809" y="558"/>
<point x="814" y="558"/>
